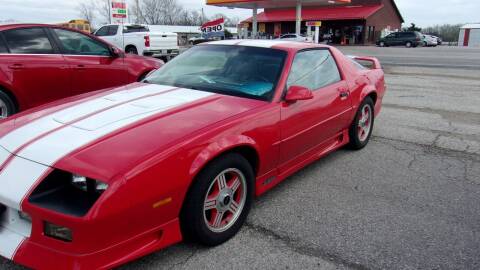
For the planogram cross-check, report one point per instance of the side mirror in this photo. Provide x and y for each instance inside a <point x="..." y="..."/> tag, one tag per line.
<point x="296" y="93"/>
<point x="116" y="52"/>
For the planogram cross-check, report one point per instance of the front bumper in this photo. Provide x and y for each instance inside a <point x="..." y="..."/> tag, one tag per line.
<point x="37" y="256"/>
<point x="98" y="243"/>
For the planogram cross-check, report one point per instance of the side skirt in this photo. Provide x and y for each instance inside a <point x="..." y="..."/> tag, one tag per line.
<point x="273" y="178"/>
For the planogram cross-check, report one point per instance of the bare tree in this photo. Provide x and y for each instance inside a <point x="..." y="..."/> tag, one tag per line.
<point x="87" y="11"/>
<point x="448" y="32"/>
<point x="102" y="7"/>
<point x="170" y="12"/>
<point x="158" y="12"/>
<point x="95" y="11"/>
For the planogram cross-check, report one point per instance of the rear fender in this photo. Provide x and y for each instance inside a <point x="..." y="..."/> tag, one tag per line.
<point x="367" y="91"/>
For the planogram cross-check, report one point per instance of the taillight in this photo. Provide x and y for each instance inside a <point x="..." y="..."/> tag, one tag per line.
<point x="147" y="41"/>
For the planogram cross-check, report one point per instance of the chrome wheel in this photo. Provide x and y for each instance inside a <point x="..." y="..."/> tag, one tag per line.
<point x="365" y="123"/>
<point x="3" y="110"/>
<point x="225" y="200"/>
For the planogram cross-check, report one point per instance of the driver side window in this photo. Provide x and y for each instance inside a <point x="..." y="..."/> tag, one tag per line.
<point x="76" y="43"/>
<point x="313" y="69"/>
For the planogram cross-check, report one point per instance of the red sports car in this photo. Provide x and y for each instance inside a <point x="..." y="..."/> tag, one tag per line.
<point x="94" y="181"/>
<point x="42" y="63"/>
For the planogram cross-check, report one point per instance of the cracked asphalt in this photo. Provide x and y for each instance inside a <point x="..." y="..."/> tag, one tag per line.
<point x="409" y="200"/>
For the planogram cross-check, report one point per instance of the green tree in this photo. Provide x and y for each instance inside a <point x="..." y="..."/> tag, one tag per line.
<point x="412" y="27"/>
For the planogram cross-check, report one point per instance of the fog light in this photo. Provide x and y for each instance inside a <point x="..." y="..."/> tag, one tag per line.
<point x="57" y="232"/>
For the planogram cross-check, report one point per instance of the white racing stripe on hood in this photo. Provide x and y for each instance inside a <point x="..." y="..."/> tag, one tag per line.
<point x="17" y="179"/>
<point x="15" y="139"/>
<point x="20" y="174"/>
<point x="9" y="242"/>
<point x="4" y="155"/>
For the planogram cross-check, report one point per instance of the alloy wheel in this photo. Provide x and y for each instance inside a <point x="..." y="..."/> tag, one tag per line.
<point x="3" y="110"/>
<point x="365" y="123"/>
<point x="225" y="200"/>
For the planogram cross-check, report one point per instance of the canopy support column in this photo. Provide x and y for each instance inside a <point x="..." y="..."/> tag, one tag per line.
<point x="254" y="22"/>
<point x="298" y="17"/>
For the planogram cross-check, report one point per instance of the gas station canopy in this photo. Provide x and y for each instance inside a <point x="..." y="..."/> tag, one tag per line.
<point x="251" y="4"/>
<point x="312" y="14"/>
<point x="256" y="4"/>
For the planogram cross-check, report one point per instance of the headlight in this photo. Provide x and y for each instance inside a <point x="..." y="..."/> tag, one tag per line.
<point x="67" y="193"/>
<point x="87" y="184"/>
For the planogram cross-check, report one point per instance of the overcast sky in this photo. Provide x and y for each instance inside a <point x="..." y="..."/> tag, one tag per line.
<point x="422" y="12"/>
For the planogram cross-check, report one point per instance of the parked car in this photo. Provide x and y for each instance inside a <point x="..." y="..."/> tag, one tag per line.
<point x="293" y="37"/>
<point x="429" y="41"/>
<point x="138" y="39"/>
<point x="439" y="40"/>
<point x="94" y="182"/>
<point x="198" y="39"/>
<point x="407" y="39"/>
<point x="42" y="63"/>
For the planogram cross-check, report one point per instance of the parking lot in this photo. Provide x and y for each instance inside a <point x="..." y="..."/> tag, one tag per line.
<point x="409" y="200"/>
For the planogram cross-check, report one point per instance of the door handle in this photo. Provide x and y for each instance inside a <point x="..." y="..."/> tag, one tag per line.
<point x="80" y="67"/>
<point x="344" y="94"/>
<point x="16" y="66"/>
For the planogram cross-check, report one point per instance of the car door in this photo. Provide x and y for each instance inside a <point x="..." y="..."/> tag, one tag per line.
<point x="92" y="63"/>
<point x="308" y="125"/>
<point x="37" y="71"/>
<point x="390" y="39"/>
<point x="402" y="39"/>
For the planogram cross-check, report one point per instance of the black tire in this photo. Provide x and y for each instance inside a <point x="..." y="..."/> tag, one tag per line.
<point x="356" y="142"/>
<point x="382" y="44"/>
<point x="409" y="44"/>
<point x="131" y="50"/>
<point x="7" y="106"/>
<point x="194" y="226"/>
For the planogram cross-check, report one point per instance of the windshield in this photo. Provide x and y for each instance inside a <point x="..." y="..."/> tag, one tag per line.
<point x="242" y="71"/>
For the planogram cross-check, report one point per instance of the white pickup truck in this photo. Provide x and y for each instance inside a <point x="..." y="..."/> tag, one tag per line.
<point x="138" y="39"/>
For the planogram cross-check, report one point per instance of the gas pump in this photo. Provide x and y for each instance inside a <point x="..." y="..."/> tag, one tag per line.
<point x="317" y="25"/>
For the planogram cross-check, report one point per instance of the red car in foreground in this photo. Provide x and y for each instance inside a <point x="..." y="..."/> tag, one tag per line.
<point x="42" y="63"/>
<point x="93" y="182"/>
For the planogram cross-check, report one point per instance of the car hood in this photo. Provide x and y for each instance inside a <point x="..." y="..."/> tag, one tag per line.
<point x="127" y="124"/>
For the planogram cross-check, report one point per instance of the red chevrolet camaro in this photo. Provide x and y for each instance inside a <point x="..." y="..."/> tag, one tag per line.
<point x="94" y="181"/>
<point x="41" y="63"/>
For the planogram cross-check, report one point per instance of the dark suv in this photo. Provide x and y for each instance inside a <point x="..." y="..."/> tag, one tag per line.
<point x="408" y="39"/>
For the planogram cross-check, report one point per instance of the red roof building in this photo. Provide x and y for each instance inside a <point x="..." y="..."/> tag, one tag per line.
<point x="357" y="22"/>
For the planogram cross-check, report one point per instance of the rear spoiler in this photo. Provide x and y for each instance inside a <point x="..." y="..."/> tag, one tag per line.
<point x="375" y="63"/>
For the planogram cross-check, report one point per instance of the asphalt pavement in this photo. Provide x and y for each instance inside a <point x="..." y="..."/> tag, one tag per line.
<point x="409" y="200"/>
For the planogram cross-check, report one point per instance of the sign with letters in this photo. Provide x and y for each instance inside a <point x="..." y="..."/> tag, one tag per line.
<point x="315" y="23"/>
<point x="215" y="28"/>
<point x="118" y="11"/>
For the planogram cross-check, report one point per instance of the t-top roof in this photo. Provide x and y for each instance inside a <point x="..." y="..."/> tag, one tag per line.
<point x="322" y="14"/>
<point x="272" y="3"/>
